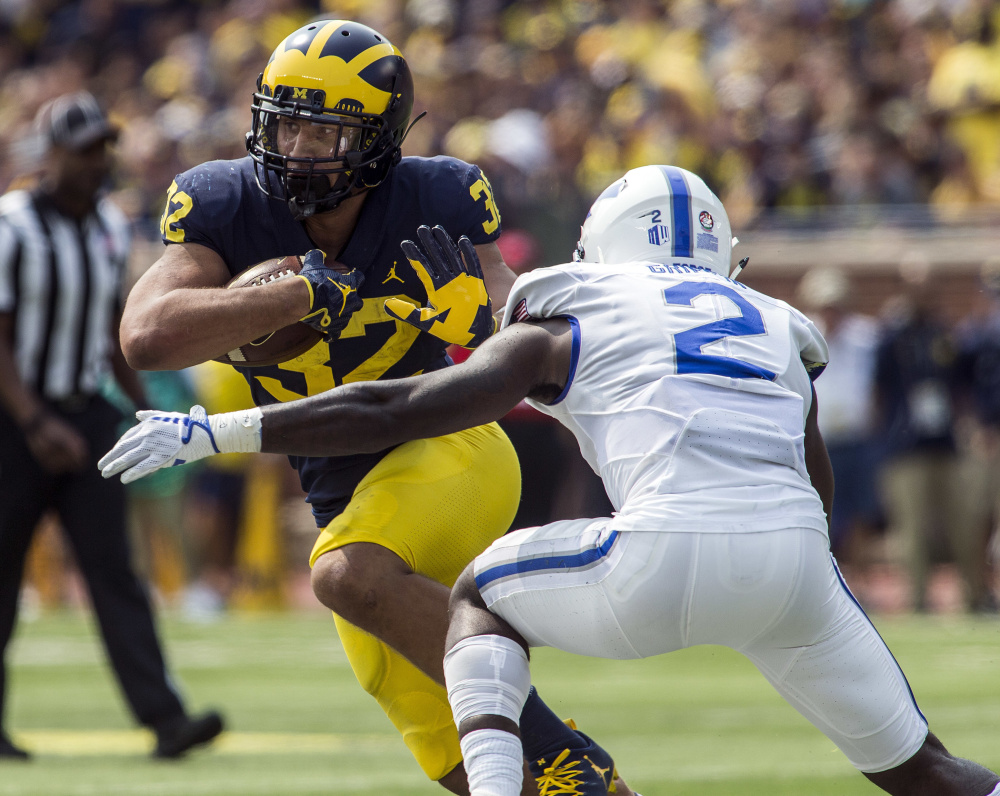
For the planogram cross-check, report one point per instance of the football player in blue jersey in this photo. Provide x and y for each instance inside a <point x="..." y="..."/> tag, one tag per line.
<point x="324" y="172"/>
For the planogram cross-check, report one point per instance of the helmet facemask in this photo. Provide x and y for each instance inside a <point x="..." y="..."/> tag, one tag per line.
<point x="361" y="149"/>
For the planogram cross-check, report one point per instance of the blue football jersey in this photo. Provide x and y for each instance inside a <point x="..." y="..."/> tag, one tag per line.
<point x="219" y="205"/>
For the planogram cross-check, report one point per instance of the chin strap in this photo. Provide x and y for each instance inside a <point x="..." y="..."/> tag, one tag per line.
<point x="739" y="267"/>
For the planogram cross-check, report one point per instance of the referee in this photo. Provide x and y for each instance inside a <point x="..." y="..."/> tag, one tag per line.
<point x="62" y="259"/>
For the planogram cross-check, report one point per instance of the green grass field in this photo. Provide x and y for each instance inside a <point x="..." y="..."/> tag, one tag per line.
<point x="700" y="721"/>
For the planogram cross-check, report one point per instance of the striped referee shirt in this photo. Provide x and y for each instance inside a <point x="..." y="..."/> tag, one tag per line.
<point x="61" y="281"/>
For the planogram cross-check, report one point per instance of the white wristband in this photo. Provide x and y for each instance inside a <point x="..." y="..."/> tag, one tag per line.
<point x="237" y="432"/>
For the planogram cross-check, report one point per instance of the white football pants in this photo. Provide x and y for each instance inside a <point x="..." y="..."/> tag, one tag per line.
<point x="777" y="597"/>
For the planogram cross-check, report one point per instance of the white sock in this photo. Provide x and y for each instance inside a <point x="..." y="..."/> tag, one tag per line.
<point x="493" y="763"/>
<point x="994" y="792"/>
<point x="237" y="432"/>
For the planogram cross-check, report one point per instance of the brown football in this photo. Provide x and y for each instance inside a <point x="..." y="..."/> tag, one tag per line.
<point x="282" y="344"/>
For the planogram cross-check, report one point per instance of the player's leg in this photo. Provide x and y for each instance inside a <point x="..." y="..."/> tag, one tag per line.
<point x="432" y="505"/>
<point x="823" y="655"/>
<point x="486" y="670"/>
<point x="558" y="585"/>
<point x="932" y="771"/>
<point x="388" y="562"/>
<point x="374" y="589"/>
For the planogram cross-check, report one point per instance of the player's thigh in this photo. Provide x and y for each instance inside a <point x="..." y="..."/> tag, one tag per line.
<point x="579" y="586"/>
<point x="584" y="588"/>
<point x="824" y="656"/>
<point x="436" y="503"/>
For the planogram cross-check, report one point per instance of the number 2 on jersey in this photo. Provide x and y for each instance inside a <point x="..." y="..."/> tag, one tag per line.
<point x="689" y="344"/>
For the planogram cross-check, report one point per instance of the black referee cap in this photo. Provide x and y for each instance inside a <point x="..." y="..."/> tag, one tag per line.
<point x="74" y="121"/>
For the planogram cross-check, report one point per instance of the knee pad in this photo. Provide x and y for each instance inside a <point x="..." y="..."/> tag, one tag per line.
<point x="487" y="675"/>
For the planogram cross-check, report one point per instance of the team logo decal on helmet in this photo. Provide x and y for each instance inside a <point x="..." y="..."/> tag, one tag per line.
<point x="657" y="214"/>
<point x="329" y="115"/>
<point x="659" y="234"/>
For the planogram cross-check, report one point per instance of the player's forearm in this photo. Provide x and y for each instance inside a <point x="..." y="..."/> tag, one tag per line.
<point x="372" y="416"/>
<point x="362" y="418"/>
<point x="351" y="419"/>
<point x="187" y="326"/>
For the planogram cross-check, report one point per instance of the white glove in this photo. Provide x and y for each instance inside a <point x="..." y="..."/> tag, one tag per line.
<point x="167" y="439"/>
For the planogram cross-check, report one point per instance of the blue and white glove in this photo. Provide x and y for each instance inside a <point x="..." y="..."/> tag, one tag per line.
<point x="167" y="439"/>
<point x="333" y="296"/>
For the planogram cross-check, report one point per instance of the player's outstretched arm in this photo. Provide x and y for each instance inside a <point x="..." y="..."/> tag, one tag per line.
<point x="179" y="314"/>
<point x="525" y="360"/>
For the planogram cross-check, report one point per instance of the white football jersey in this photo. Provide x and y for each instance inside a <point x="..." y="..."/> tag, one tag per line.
<point x="688" y="393"/>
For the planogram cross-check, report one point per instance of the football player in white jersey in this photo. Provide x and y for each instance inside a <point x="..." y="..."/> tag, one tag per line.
<point x="690" y="394"/>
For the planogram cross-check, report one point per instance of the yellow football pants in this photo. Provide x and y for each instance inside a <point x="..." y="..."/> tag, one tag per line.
<point x="436" y="503"/>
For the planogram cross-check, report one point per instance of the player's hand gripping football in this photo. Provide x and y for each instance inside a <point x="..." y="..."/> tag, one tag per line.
<point x="459" y="308"/>
<point x="333" y="296"/>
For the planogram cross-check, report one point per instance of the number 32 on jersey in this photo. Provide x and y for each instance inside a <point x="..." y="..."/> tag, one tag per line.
<point x="179" y="204"/>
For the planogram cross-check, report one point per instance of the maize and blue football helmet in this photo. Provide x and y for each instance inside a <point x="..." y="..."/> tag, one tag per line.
<point x="660" y="214"/>
<point x="351" y="88"/>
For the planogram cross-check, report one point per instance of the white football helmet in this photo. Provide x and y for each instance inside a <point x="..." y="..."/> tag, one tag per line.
<point x="660" y="214"/>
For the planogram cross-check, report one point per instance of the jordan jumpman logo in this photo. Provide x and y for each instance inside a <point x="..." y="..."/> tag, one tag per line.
<point x="345" y="291"/>
<point x="392" y="274"/>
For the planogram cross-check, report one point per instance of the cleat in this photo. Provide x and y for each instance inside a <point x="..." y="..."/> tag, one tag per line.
<point x="575" y="772"/>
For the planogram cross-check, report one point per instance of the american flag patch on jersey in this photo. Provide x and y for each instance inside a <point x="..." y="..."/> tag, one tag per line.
<point x="521" y="312"/>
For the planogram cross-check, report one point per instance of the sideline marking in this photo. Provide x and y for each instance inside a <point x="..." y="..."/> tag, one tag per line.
<point x="131" y="742"/>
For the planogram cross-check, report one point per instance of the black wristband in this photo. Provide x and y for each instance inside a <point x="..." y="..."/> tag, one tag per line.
<point x="33" y="423"/>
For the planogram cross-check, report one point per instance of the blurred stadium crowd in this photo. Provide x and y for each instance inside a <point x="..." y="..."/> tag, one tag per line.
<point x="777" y="103"/>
